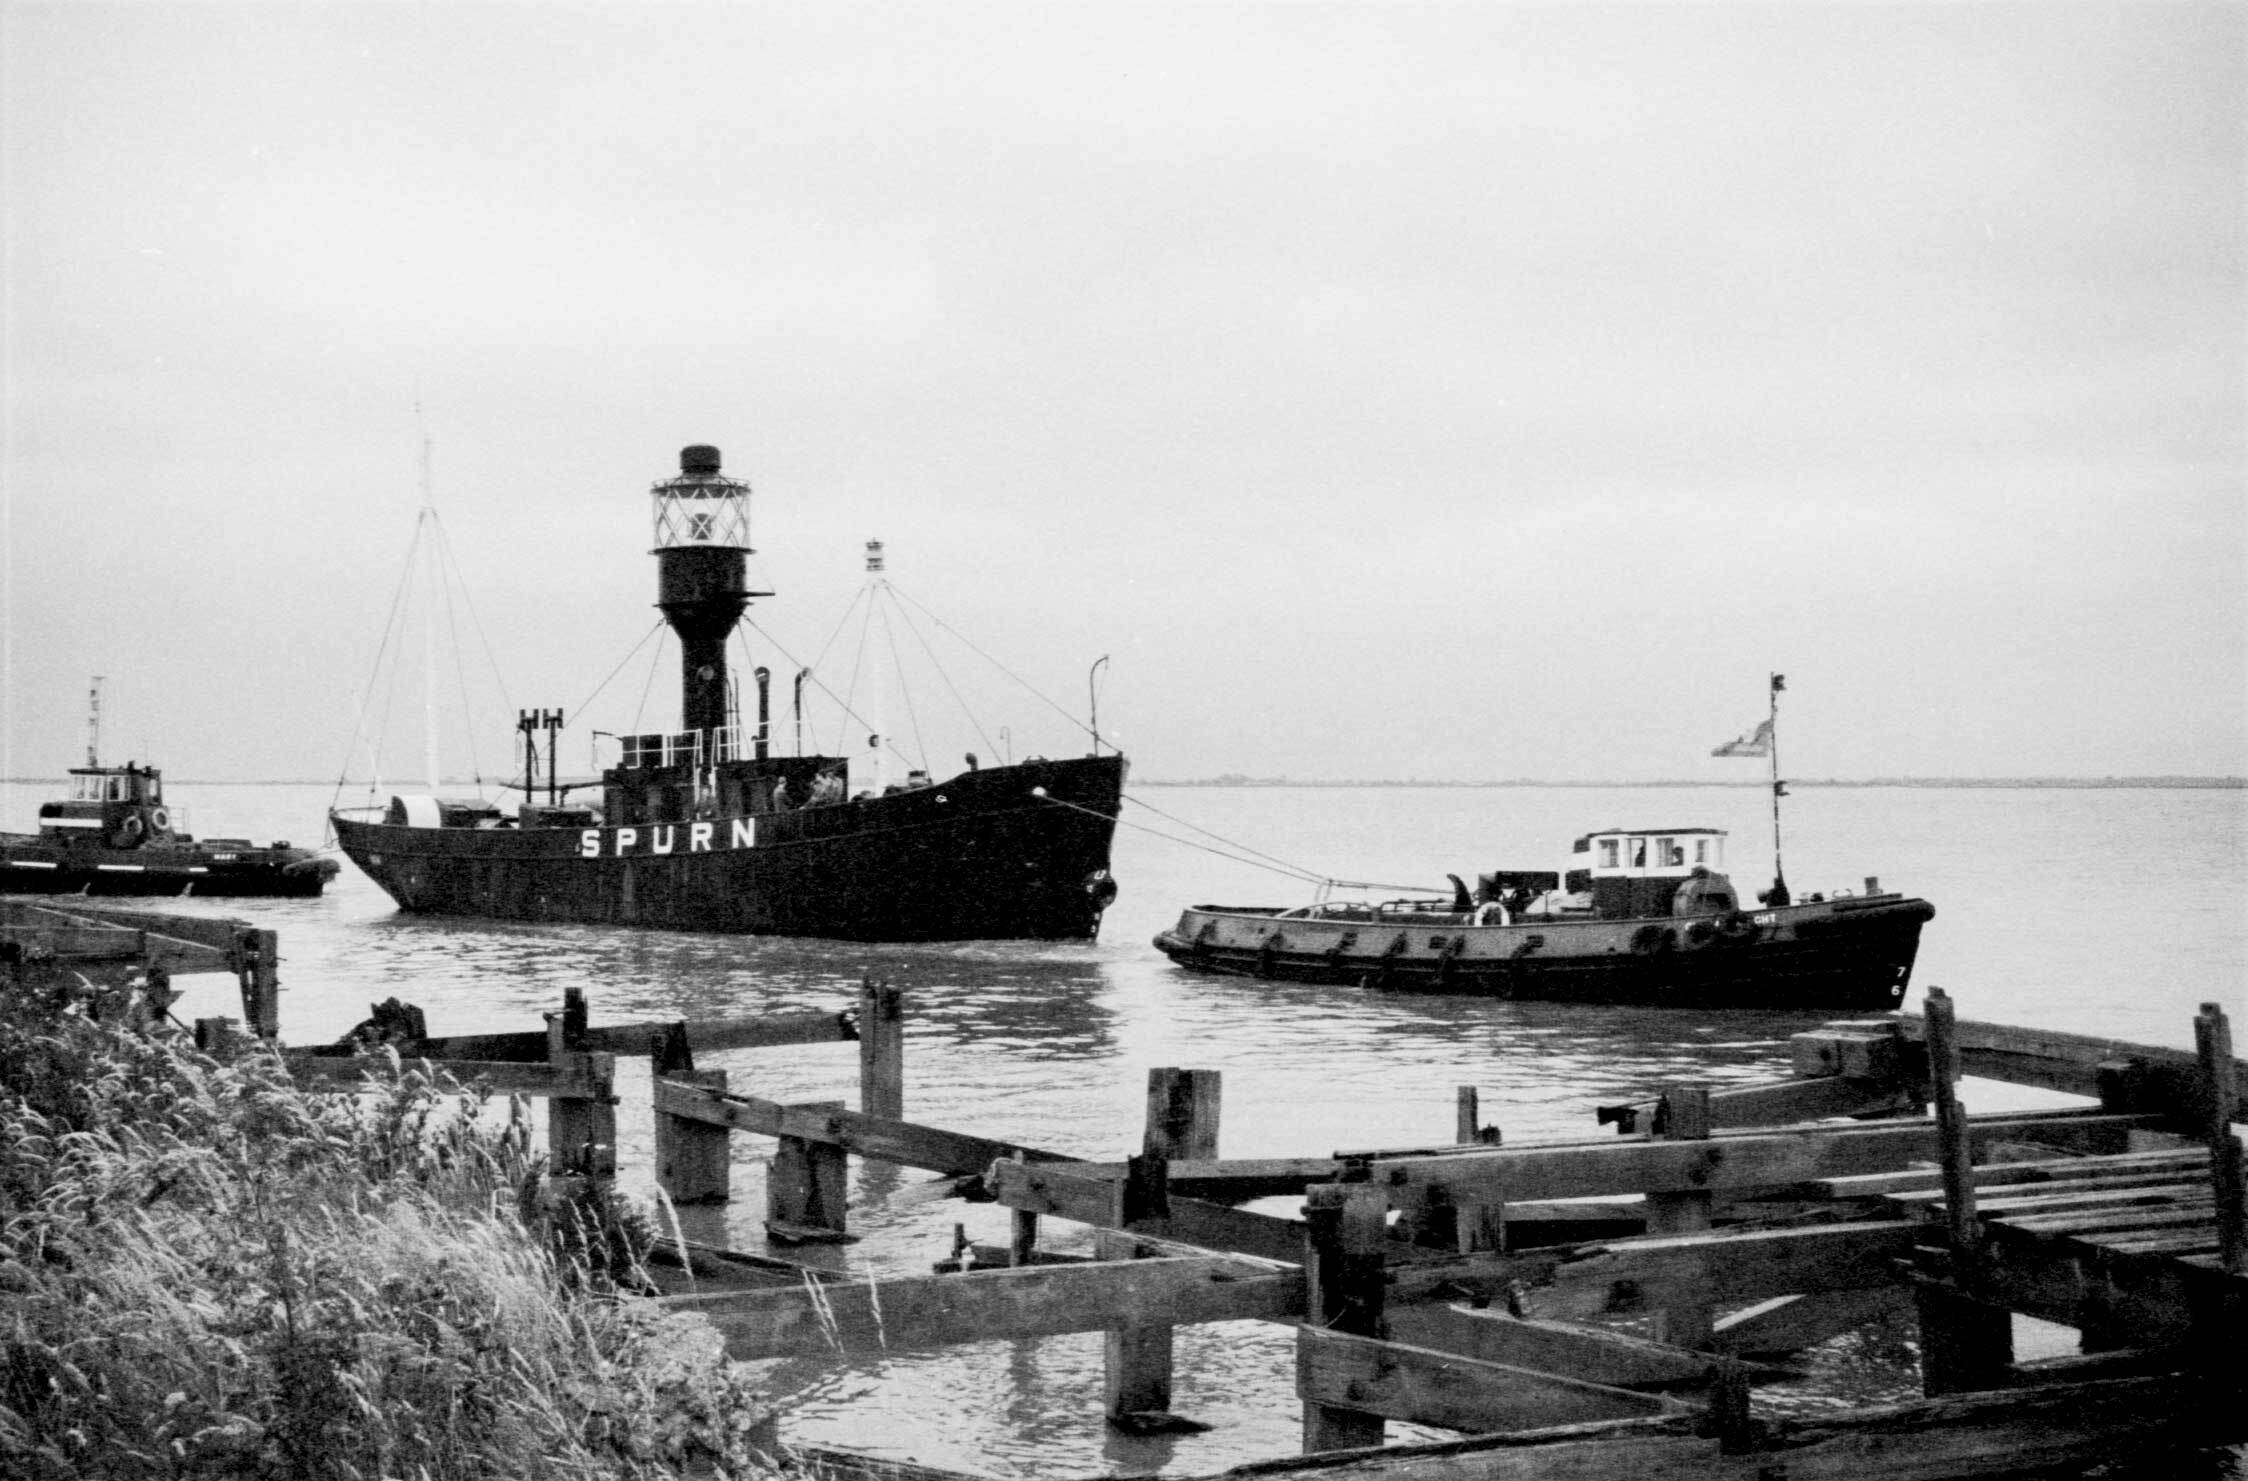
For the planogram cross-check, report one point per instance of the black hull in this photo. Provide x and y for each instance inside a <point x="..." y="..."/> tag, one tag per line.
<point x="1013" y="852"/>
<point x="32" y="868"/>
<point x="1822" y="957"/>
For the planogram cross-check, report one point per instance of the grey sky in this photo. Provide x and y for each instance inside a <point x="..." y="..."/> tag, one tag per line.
<point x="1443" y="391"/>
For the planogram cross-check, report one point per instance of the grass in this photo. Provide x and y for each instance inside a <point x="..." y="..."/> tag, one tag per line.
<point x="208" y="1273"/>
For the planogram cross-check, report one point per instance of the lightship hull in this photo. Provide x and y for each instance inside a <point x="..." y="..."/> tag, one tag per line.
<point x="1010" y="852"/>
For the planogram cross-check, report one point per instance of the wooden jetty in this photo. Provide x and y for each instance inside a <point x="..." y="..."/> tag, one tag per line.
<point x="1593" y="1307"/>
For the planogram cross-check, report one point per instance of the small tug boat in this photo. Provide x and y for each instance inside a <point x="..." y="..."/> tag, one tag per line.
<point x="1640" y="916"/>
<point x="113" y="835"/>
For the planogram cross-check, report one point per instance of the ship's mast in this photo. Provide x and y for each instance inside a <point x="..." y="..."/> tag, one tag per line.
<point x="702" y="555"/>
<point x="877" y="740"/>
<point x="93" y="723"/>
<point x="432" y="580"/>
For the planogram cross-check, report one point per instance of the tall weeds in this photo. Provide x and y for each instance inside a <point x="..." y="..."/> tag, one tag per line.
<point x="210" y="1274"/>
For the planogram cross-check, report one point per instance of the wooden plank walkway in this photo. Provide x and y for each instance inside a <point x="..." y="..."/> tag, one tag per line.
<point x="2158" y="1205"/>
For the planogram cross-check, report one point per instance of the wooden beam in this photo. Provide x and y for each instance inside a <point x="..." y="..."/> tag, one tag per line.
<point x="2020" y="1432"/>
<point x="1737" y="1160"/>
<point x="1587" y="1354"/>
<point x="1993" y="1176"/>
<point x="1420" y="1386"/>
<point x="765" y="1032"/>
<point x="916" y="1312"/>
<point x="343" y="1072"/>
<point x="1064" y="1192"/>
<point x="2073" y="1063"/>
<point x="868" y="1136"/>
<point x="1792" y="1323"/>
<point x="1727" y="1269"/>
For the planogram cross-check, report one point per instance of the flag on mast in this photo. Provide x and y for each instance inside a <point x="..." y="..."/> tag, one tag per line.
<point x="1757" y="742"/>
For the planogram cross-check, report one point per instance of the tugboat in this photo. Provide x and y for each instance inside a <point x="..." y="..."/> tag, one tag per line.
<point x="113" y="835"/>
<point x="1641" y="916"/>
<point x="704" y="829"/>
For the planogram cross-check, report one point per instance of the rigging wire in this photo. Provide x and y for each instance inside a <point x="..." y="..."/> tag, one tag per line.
<point x="374" y="675"/>
<point x="655" y="659"/>
<point x="905" y="691"/>
<point x="587" y="703"/>
<point x="995" y="663"/>
<point x="946" y="676"/>
<point x="1260" y="861"/>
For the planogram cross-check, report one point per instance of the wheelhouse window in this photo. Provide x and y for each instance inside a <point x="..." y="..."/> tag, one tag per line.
<point x="1701" y="851"/>
<point x="116" y="789"/>
<point x="1608" y="847"/>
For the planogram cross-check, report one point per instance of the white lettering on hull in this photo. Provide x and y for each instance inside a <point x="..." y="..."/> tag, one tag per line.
<point x="663" y="838"/>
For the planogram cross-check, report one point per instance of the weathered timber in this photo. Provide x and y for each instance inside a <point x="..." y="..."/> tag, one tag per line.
<point x="2221" y="1100"/>
<point x="1953" y="1154"/>
<point x="1995" y="1177"/>
<point x="806" y="1187"/>
<point x="694" y="1162"/>
<point x="504" y="1077"/>
<point x="881" y="1026"/>
<point x="1367" y="1375"/>
<point x="844" y="1465"/>
<point x="1792" y="1323"/>
<point x="1727" y="1269"/>
<point x="769" y="1031"/>
<point x="1344" y="1234"/>
<point x="1771" y="1159"/>
<point x="2078" y="1064"/>
<point x="2019" y="1432"/>
<point x="1061" y="1190"/>
<point x="1588" y="1354"/>
<point x="1183" y="1113"/>
<point x="904" y="1142"/>
<point x="581" y="1130"/>
<point x="915" y="1312"/>
<point x="1684" y="1117"/>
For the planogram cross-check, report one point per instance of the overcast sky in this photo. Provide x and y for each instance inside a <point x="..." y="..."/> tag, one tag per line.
<point x="1450" y="391"/>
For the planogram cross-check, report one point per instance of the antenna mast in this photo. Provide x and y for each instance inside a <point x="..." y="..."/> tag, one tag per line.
<point x="432" y="586"/>
<point x="1779" y="790"/>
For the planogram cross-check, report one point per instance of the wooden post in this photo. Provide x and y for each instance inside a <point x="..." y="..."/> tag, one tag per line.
<point x="881" y="1049"/>
<point x="1182" y="1122"/>
<point x="1478" y="1224"/>
<point x="806" y="1188"/>
<point x="1683" y="1115"/>
<point x="1965" y="1345"/>
<point x="694" y="1160"/>
<point x="1022" y="1234"/>
<point x="260" y="973"/>
<point x="2212" y="1038"/>
<point x="1346" y="1226"/>
<point x="581" y="1133"/>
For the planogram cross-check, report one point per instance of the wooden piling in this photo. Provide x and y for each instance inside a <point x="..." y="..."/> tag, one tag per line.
<point x="881" y="1049"/>
<point x="2212" y="1036"/>
<point x="1183" y="1109"/>
<point x="1682" y="1116"/>
<point x="259" y="953"/>
<point x="694" y="1162"/>
<point x="807" y="1187"/>
<point x="1965" y="1344"/>
<point x="1346" y="1227"/>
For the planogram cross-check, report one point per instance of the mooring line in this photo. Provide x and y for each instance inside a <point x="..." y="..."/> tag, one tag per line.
<point x="1251" y="857"/>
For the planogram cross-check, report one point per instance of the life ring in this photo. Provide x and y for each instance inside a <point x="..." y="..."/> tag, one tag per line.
<point x="1651" y="939"/>
<point x="129" y="832"/>
<point x="159" y="820"/>
<point x="1491" y="912"/>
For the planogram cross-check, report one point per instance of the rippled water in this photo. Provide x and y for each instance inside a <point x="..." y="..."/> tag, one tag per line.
<point x="2100" y="911"/>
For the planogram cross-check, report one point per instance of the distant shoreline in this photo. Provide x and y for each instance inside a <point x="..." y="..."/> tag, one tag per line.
<point x="2116" y="783"/>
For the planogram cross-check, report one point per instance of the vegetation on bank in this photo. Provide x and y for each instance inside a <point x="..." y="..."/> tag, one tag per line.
<point x="208" y="1274"/>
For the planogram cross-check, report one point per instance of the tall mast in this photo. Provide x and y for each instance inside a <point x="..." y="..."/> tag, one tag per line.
<point x="702" y="555"/>
<point x="432" y="589"/>
<point x="877" y="741"/>
<point x="93" y="723"/>
<point x="1779" y="790"/>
